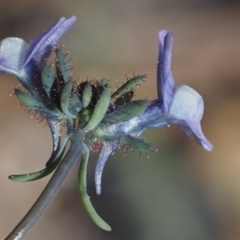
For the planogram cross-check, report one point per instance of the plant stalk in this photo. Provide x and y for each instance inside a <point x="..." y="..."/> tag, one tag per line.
<point x="50" y="191"/>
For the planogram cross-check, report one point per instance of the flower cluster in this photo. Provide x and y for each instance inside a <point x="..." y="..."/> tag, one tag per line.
<point x="108" y="120"/>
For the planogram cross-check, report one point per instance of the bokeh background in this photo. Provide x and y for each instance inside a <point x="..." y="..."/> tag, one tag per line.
<point x="181" y="192"/>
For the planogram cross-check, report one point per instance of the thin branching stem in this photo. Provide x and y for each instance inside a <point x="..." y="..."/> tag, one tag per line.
<point x="51" y="189"/>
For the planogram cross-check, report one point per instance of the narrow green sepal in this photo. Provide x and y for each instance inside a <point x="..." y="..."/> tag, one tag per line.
<point x="64" y="99"/>
<point x="99" y="111"/>
<point x="48" y="77"/>
<point x="62" y="65"/>
<point x="126" y="112"/>
<point x="127" y="86"/>
<point x="103" y="82"/>
<point x="35" y="105"/>
<point x="75" y="104"/>
<point x="87" y="95"/>
<point x="85" y="116"/>
<point x="82" y="186"/>
<point x="124" y="98"/>
<point x="100" y="86"/>
<point x="29" y="101"/>
<point x="44" y="172"/>
<point x="136" y="144"/>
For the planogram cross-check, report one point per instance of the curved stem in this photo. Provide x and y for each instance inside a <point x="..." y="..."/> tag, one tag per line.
<point x="51" y="189"/>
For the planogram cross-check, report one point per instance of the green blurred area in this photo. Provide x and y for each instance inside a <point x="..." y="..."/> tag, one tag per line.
<point x="180" y="192"/>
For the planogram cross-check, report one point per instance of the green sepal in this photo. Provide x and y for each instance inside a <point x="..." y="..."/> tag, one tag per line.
<point x="99" y="111"/>
<point x="100" y="86"/>
<point x="75" y="104"/>
<point x="48" y="77"/>
<point x="44" y="172"/>
<point x="103" y="82"/>
<point x="124" y="98"/>
<point x="64" y="99"/>
<point x="62" y="65"/>
<point x="35" y="105"/>
<point x="87" y="95"/>
<point x="127" y="86"/>
<point x="85" y="116"/>
<point x="128" y="141"/>
<point x="126" y="112"/>
<point x="81" y="86"/>
<point x="135" y="144"/>
<point x="29" y="101"/>
<point x="82" y="186"/>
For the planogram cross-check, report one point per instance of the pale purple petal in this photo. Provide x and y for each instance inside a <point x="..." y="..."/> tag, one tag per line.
<point x="55" y="128"/>
<point x="12" y="53"/>
<point x="186" y="110"/>
<point x="161" y="36"/>
<point x="107" y="149"/>
<point x="187" y="130"/>
<point x="165" y="81"/>
<point x="201" y="139"/>
<point x="41" y="48"/>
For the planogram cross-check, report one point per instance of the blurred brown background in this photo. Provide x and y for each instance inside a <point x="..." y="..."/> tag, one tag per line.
<point x="180" y="193"/>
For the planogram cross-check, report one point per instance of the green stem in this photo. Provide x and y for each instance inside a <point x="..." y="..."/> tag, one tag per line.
<point x="82" y="184"/>
<point x="48" y="194"/>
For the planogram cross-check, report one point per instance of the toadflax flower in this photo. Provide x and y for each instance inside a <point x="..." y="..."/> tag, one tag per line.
<point x="25" y="60"/>
<point x="89" y="111"/>
<point x="181" y="105"/>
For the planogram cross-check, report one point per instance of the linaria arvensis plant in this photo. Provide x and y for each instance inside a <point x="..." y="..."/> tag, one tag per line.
<point x="93" y="117"/>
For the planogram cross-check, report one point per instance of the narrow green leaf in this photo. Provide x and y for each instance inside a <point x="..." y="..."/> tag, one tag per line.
<point x="75" y="104"/>
<point x="36" y="106"/>
<point x="87" y="95"/>
<point x="135" y="143"/>
<point x="63" y="65"/>
<point x="85" y="116"/>
<point x="82" y="186"/>
<point x="44" y="172"/>
<point x="124" y="98"/>
<point x="103" y="82"/>
<point x="28" y="100"/>
<point x="64" y="99"/>
<point x="99" y="110"/>
<point x="127" y="86"/>
<point x="126" y="112"/>
<point x="48" y="77"/>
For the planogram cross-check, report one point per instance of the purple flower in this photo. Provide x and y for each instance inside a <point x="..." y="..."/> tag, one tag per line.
<point x="25" y="60"/>
<point x="105" y="119"/>
<point x="181" y="105"/>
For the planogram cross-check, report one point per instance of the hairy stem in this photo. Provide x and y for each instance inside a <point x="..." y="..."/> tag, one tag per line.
<point x="51" y="189"/>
